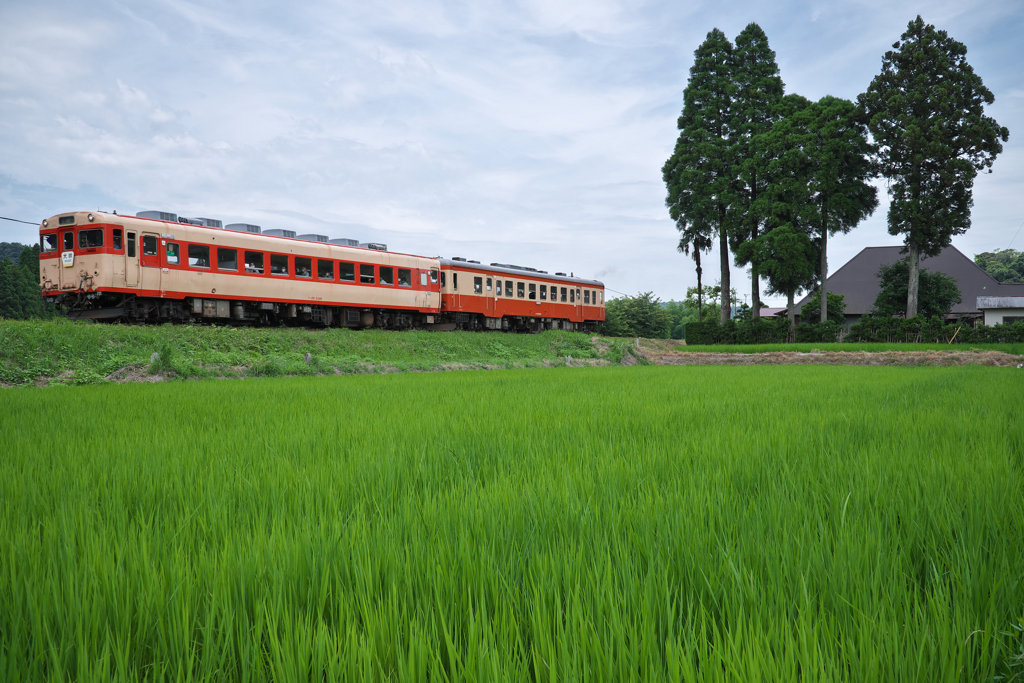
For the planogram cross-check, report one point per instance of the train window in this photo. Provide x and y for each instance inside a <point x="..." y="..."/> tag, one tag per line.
<point x="131" y="244"/>
<point x="455" y="281"/>
<point x="117" y="239"/>
<point x="347" y="271"/>
<point x="325" y="269"/>
<point x="578" y="297"/>
<point x="586" y="296"/>
<point x="254" y="262"/>
<point x="563" y="295"/>
<point x="404" y="277"/>
<point x="198" y="256"/>
<point x="173" y="254"/>
<point x="366" y="274"/>
<point x="520" y="289"/>
<point x="423" y="278"/>
<point x="278" y="264"/>
<point x="478" y="285"/>
<point x="497" y="287"/>
<point x="533" y="291"/>
<point x="90" y="239"/>
<point x="69" y="242"/>
<point x="508" y="288"/>
<point x="442" y="278"/>
<point x="433" y="277"/>
<point x="67" y="220"/>
<point x="227" y="259"/>
<point x="149" y="245"/>
<point x="303" y="267"/>
<point x="572" y="295"/>
<point x="47" y="243"/>
<point x="543" y="292"/>
<point x="488" y="284"/>
<point x="602" y="298"/>
<point x="387" y="276"/>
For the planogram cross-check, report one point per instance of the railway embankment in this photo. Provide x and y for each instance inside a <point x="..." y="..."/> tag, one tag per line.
<point x="45" y="353"/>
<point x="59" y="352"/>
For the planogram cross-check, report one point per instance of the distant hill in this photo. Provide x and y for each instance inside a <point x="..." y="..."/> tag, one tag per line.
<point x="11" y="250"/>
<point x="1005" y="265"/>
<point x="19" y="288"/>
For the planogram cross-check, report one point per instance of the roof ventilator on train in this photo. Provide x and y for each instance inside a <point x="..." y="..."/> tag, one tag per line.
<point x="243" y="227"/>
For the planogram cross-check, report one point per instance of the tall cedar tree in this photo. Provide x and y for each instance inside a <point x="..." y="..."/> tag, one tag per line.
<point x="830" y="153"/>
<point x="925" y="110"/>
<point x="699" y="175"/>
<point x="758" y="89"/>
<point x="784" y="249"/>
<point x="784" y="198"/>
<point x="696" y="237"/>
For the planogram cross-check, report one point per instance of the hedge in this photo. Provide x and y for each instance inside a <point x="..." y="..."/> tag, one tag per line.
<point x="932" y="330"/>
<point x="869" y="329"/>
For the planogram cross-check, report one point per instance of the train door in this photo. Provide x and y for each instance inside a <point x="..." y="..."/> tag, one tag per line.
<point x="490" y="304"/>
<point x="68" y="279"/>
<point x="149" y="261"/>
<point x="131" y="259"/>
<point x="433" y="290"/>
<point x="456" y="297"/>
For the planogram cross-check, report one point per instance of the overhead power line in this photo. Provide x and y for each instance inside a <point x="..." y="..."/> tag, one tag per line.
<point x="1015" y="236"/>
<point x="17" y="221"/>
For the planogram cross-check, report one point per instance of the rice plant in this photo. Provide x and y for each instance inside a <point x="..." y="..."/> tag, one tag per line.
<point x="645" y="523"/>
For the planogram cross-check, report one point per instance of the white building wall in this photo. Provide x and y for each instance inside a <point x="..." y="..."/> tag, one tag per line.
<point x="994" y="316"/>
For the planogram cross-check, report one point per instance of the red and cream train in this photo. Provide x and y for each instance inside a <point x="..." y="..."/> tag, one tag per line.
<point x="138" y="269"/>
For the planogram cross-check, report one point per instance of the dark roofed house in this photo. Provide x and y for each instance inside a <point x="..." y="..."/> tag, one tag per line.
<point x="857" y="281"/>
<point x="771" y="312"/>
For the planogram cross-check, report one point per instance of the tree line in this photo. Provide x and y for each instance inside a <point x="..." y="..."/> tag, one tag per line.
<point x="645" y="315"/>
<point x="1005" y="265"/>
<point x="770" y="176"/>
<point x="19" y="282"/>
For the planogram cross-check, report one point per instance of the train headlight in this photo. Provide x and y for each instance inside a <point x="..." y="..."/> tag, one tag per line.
<point x="45" y="222"/>
<point x="91" y="218"/>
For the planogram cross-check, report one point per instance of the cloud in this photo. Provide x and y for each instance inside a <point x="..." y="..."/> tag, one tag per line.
<point x="528" y="132"/>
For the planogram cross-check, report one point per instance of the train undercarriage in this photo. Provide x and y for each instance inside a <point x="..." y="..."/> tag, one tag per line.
<point x="132" y="309"/>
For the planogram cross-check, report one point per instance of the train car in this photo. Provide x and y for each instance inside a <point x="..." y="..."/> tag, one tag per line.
<point x="109" y="267"/>
<point x="502" y="296"/>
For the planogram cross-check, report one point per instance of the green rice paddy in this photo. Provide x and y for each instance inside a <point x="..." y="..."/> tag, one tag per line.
<point x="604" y="524"/>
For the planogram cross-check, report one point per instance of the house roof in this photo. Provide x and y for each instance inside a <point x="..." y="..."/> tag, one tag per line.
<point x="771" y="312"/>
<point x="1000" y="302"/>
<point x="857" y="280"/>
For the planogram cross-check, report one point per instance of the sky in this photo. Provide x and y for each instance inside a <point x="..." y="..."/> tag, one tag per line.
<point x="528" y="132"/>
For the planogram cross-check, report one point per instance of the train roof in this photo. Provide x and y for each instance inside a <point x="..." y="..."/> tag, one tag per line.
<point x="104" y="217"/>
<point x="497" y="268"/>
<point x="517" y="271"/>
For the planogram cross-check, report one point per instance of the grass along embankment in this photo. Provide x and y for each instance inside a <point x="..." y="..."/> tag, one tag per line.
<point x="704" y="524"/>
<point x="63" y="352"/>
